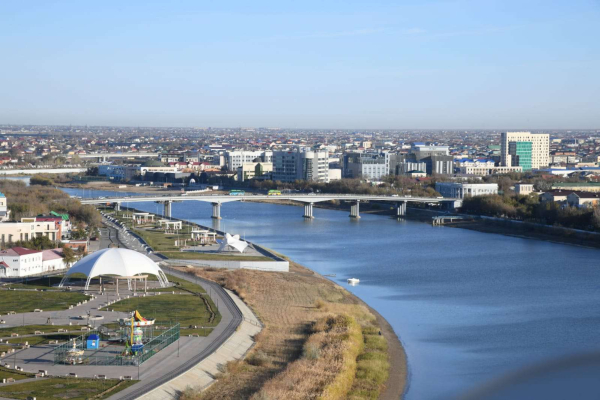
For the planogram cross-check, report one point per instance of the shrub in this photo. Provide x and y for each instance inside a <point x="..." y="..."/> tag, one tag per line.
<point x="311" y="351"/>
<point x="258" y="358"/>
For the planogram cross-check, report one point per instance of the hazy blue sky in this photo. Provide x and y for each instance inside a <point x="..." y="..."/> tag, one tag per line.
<point x="346" y="64"/>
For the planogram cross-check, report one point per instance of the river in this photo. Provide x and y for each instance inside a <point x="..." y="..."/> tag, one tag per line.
<point x="468" y="306"/>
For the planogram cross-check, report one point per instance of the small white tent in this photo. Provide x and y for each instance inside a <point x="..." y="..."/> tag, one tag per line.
<point x="115" y="261"/>
<point x="233" y="242"/>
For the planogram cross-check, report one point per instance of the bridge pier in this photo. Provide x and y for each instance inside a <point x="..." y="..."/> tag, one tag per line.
<point x="117" y="206"/>
<point x="355" y="210"/>
<point x="216" y="212"/>
<point x="308" y="210"/>
<point x="401" y="209"/>
<point x="167" y="208"/>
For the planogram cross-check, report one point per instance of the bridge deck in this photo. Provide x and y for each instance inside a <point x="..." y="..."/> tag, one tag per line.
<point x="304" y="198"/>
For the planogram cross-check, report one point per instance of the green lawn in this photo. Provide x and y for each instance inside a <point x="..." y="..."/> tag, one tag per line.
<point x="30" y="329"/>
<point x="158" y="240"/>
<point x="6" y="373"/>
<point x="45" y="339"/>
<point x="38" y="283"/>
<point x="26" y="301"/>
<point x="65" y="388"/>
<point x="187" y="309"/>
<point x="188" y="255"/>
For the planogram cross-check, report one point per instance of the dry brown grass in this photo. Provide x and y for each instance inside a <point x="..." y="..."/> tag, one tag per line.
<point x="310" y="343"/>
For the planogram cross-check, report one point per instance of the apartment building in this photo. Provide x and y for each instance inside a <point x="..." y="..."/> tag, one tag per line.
<point x="235" y="159"/>
<point x="254" y="170"/>
<point x="301" y="164"/>
<point x="525" y="149"/>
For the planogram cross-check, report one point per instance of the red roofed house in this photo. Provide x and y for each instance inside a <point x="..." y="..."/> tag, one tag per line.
<point x="20" y="261"/>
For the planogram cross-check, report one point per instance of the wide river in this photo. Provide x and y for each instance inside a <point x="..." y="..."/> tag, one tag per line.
<point x="468" y="306"/>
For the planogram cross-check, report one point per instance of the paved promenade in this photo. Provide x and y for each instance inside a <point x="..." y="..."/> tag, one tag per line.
<point x="202" y="375"/>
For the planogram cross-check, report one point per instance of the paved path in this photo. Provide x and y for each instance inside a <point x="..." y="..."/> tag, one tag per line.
<point x="203" y="374"/>
<point x="171" y="362"/>
<point x="158" y="371"/>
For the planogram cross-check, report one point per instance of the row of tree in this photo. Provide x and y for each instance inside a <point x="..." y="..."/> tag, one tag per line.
<point x="29" y="201"/>
<point x="530" y="209"/>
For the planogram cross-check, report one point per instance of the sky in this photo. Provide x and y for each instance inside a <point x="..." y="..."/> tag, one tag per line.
<point x="414" y="64"/>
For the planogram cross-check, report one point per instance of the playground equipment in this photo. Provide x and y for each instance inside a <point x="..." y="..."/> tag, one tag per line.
<point x="74" y="355"/>
<point x="136" y="320"/>
<point x="134" y="343"/>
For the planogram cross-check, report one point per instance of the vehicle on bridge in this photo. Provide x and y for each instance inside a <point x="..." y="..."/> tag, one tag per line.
<point x="237" y="192"/>
<point x="274" y="193"/>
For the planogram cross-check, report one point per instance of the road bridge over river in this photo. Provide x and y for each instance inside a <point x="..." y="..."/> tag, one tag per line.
<point x="308" y="200"/>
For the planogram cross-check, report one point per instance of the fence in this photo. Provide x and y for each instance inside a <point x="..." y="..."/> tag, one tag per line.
<point x="62" y="353"/>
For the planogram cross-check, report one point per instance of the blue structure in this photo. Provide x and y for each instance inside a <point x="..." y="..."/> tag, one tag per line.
<point x="92" y="342"/>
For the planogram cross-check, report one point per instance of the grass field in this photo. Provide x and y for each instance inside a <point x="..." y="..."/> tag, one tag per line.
<point x="21" y="301"/>
<point x="318" y="341"/>
<point x="30" y="329"/>
<point x="6" y="373"/>
<point x="46" y="283"/>
<point x="180" y="285"/>
<point x="65" y="388"/>
<point x="187" y="309"/>
<point x="45" y="339"/>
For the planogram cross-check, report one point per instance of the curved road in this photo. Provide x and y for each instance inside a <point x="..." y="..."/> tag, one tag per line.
<point x="173" y="366"/>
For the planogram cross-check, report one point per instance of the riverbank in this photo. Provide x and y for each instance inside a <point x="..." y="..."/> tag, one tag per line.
<point x="380" y="368"/>
<point x="319" y="340"/>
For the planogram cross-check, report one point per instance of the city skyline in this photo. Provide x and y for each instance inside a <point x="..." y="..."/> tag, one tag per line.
<point x="384" y="65"/>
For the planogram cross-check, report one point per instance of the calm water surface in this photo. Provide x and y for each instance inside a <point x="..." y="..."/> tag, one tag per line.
<point x="468" y="306"/>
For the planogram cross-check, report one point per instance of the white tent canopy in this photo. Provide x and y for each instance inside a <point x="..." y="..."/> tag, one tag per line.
<point x="233" y="242"/>
<point x="115" y="261"/>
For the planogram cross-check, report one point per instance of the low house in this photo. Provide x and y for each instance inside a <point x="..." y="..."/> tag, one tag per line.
<point x="52" y="260"/>
<point x="555" y="195"/>
<point x="523" y="188"/>
<point x="583" y="199"/>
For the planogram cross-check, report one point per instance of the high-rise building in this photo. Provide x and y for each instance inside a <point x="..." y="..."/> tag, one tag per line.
<point x="301" y="164"/>
<point x="525" y="149"/>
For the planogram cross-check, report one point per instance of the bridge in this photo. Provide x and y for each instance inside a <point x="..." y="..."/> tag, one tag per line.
<point x="309" y="200"/>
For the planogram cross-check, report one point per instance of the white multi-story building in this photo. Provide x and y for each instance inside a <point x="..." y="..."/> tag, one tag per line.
<point x="301" y="164"/>
<point x="459" y="190"/>
<point x="526" y="149"/>
<point x="482" y="167"/>
<point x="235" y="159"/>
<point x="4" y="211"/>
<point x="20" y="261"/>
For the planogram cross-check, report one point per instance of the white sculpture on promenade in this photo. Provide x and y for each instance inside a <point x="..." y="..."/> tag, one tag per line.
<point x="233" y="242"/>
